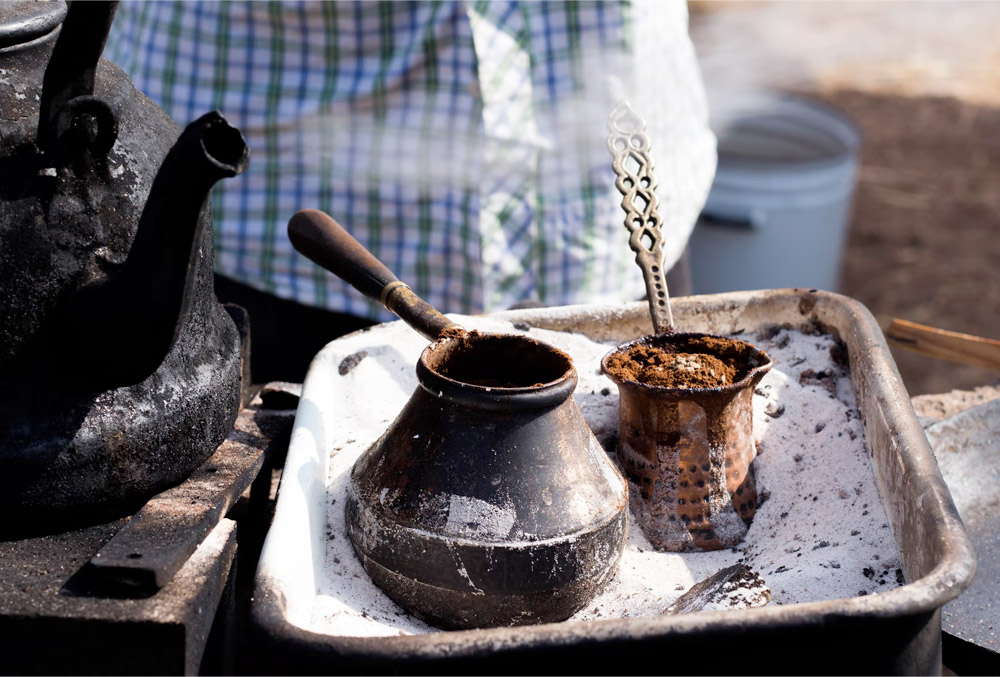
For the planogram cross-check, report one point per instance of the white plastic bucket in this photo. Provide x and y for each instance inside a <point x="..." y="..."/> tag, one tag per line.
<point x="779" y="207"/>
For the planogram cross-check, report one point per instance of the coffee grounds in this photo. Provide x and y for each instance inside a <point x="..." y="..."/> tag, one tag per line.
<point x="455" y="331"/>
<point x="690" y="365"/>
<point x="498" y="360"/>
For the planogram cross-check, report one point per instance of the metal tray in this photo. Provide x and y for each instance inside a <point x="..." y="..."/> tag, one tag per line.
<point x="898" y="631"/>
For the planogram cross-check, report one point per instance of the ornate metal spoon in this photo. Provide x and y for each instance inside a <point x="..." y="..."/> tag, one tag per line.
<point x="633" y="164"/>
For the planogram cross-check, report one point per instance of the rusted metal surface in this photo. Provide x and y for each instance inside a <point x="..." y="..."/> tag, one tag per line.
<point x="488" y="502"/>
<point x="633" y="165"/>
<point x="688" y="453"/>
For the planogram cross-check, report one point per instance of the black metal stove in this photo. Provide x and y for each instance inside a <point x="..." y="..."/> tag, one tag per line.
<point x="158" y="592"/>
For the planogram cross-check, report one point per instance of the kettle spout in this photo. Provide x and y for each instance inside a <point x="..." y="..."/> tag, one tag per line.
<point x="124" y="326"/>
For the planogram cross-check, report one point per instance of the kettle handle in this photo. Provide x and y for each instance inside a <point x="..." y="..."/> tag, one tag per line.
<point x="68" y="85"/>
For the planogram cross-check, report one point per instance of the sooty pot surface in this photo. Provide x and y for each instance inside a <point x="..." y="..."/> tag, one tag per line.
<point x="119" y="371"/>
<point x="488" y="501"/>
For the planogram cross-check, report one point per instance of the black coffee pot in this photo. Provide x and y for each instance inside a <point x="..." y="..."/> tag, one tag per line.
<point x="119" y="370"/>
<point x="488" y="501"/>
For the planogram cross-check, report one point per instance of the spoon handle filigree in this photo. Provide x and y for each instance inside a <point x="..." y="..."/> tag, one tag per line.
<point x="633" y="164"/>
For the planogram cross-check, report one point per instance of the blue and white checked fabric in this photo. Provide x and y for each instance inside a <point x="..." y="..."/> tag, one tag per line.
<point x="463" y="143"/>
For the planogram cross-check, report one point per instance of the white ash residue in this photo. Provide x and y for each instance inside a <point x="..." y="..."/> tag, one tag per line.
<point x="820" y="532"/>
<point x="474" y="518"/>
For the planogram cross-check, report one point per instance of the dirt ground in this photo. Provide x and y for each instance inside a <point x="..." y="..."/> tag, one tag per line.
<point x="922" y="82"/>
<point x="924" y="243"/>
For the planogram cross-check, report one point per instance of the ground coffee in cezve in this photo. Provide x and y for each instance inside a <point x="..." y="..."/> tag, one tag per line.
<point x="696" y="365"/>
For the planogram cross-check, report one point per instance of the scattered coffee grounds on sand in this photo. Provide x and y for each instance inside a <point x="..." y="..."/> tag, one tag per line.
<point x="702" y="362"/>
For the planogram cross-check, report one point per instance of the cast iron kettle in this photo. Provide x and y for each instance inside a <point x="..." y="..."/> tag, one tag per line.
<point x="119" y="371"/>
<point x="488" y="501"/>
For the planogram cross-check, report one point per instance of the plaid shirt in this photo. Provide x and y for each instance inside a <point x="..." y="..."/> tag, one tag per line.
<point x="463" y="143"/>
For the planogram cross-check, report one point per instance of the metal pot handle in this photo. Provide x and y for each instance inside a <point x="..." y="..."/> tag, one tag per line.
<point x="68" y="85"/>
<point x="324" y="241"/>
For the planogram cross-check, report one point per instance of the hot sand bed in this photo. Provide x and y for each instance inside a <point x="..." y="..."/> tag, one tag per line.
<point x="821" y="532"/>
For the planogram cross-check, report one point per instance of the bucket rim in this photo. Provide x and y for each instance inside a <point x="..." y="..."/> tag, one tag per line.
<point x="835" y="124"/>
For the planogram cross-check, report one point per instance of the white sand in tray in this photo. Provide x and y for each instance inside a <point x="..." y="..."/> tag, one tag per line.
<point x="820" y="532"/>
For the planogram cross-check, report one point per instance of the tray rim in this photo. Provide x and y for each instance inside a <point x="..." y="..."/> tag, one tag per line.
<point x="891" y="423"/>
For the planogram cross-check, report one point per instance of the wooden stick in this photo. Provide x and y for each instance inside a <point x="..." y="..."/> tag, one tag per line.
<point x="945" y="345"/>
